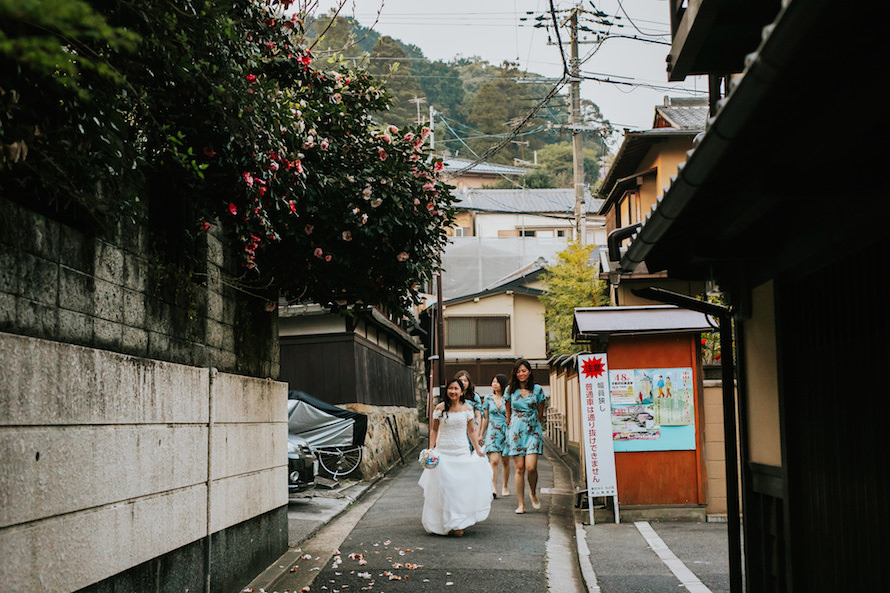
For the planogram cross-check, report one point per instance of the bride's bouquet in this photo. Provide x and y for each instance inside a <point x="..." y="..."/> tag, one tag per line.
<point x="429" y="458"/>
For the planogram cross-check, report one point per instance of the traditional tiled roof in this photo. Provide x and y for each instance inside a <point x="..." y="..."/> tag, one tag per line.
<point x="683" y="113"/>
<point x="455" y="164"/>
<point x="525" y="201"/>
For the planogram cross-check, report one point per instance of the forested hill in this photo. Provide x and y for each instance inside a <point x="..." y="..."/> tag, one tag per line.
<point x="477" y="104"/>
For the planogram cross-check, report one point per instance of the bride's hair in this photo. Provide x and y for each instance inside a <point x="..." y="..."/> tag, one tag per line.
<point x="445" y="399"/>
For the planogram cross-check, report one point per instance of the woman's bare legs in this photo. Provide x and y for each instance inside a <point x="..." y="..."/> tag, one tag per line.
<point x="519" y="482"/>
<point x="531" y="468"/>
<point x="494" y="458"/>
<point x="505" y="468"/>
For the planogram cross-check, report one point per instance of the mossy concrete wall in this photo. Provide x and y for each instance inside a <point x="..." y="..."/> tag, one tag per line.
<point x="142" y="439"/>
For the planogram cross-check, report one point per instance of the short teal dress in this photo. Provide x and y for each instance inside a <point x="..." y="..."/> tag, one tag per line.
<point x="496" y="435"/>
<point x="525" y="435"/>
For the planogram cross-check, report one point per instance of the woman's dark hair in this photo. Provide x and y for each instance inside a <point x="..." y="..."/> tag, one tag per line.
<point x="445" y="399"/>
<point x="514" y="382"/>
<point x="503" y="381"/>
<point x="470" y="391"/>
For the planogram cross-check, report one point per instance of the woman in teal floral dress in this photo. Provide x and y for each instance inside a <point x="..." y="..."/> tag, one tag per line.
<point x="525" y="404"/>
<point x="494" y="432"/>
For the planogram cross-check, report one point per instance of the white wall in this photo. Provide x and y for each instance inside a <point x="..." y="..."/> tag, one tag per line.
<point x="105" y="459"/>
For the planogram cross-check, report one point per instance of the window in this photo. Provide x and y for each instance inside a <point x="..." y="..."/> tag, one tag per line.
<point x="477" y="332"/>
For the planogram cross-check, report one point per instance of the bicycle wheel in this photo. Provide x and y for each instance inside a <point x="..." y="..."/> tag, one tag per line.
<point x="340" y="461"/>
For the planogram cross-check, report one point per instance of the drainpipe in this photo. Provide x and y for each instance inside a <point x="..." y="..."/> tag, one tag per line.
<point x="208" y="550"/>
<point x="617" y="236"/>
<point x="729" y="418"/>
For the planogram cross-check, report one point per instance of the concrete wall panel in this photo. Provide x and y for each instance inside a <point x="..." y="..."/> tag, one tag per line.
<point x="51" y="471"/>
<point x="105" y="459"/>
<point x="69" y="552"/>
<point x="52" y="383"/>
<point x="244" y="448"/>
<point x="238" y="498"/>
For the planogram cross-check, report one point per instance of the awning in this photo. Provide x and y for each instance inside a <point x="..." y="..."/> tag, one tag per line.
<point x="597" y="323"/>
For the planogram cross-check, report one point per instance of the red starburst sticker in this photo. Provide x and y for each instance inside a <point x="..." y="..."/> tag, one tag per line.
<point x="593" y="367"/>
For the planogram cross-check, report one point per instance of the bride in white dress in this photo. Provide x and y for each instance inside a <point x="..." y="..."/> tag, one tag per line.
<point x="456" y="493"/>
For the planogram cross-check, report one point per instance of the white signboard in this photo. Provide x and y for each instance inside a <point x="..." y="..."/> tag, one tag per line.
<point x="596" y="423"/>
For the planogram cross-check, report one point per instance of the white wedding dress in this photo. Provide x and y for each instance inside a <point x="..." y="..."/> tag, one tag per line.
<point x="457" y="493"/>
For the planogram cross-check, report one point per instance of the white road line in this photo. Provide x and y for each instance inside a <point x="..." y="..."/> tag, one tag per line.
<point x="686" y="576"/>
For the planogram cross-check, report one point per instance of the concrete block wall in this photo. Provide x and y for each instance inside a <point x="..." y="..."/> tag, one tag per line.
<point x="110" y="461"/>
<point x="117" y="292"/>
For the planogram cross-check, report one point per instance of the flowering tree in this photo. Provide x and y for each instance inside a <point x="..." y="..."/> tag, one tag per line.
<point x="219" y="116"/>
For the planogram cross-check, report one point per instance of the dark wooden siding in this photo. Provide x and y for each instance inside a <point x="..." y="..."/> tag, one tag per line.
<point x="833" y="332"/>
<point x="382" y="378"/>
<point x="344" y="368"/>
<point x="322" y="366"/>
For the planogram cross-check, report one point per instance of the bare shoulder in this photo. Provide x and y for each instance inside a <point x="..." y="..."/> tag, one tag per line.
<point x="440" y="406"/>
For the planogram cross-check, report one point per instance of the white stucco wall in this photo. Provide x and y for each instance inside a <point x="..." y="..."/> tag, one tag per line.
<point x="105" y="459"/>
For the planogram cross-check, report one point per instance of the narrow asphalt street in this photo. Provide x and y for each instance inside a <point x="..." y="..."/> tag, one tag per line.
<point x="376" y="544"/>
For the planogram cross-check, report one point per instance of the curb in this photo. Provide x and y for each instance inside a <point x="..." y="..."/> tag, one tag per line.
<point x="588" y="576"/>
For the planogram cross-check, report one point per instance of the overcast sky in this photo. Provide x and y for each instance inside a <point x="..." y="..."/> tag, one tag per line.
<point x="492" y="30"/>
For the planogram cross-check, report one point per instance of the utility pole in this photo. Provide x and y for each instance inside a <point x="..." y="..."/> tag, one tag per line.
<point x="417" y="101"/>
<point x="432" y="130"/>
<point x="575" y="120"/>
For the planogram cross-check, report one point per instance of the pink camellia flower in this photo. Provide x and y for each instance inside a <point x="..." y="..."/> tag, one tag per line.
<point x="385" y="137"/>
<point x="364" y="218"/>
<point x="430" y="206"/>
<point x="304" y="60"/>
<point x="251" y="78"/>
<point x="376" y="203"/>
<point x="308" y="229"/>
<point x="392" y="129"/>
<point x="204" y="225"/>
<point x="233" y="209"/>
<point x="424" y="132"/>
<point x="299" y="165"/>
<point x="347" y="235"/>
<point x="324" y="144"/>
<point x="319" y="253"/>
<point x="429" y="186"/>
<point x="367" y="192"/>
<point x="438" y="166"/>
<point x="416" y="201"/>
<point x="409" y="137"/>
<point x="328" y="257"/>
<point x="248" y="178"/>
<point x="382" y="154"/>
<point x="402" y="256"/>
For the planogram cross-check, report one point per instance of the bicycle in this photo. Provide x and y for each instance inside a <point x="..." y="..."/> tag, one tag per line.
<point x="339" y="460"/>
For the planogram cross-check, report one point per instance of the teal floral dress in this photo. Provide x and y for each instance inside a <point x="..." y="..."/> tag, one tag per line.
<point x="496" y="435"/>
<point x="525" y="435"/>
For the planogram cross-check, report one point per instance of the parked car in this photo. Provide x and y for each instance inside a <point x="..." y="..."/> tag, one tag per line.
<point x="302" y="465"/>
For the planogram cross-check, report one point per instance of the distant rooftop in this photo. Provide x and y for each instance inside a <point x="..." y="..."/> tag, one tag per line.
<point x="526" y="201"/>
<point x="453" y="164"/>
<point x="682" y="113"/>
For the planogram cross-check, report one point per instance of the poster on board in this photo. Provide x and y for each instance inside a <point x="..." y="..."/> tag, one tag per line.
<point x="652" y="409"/>
<point x="596" y="410"/>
